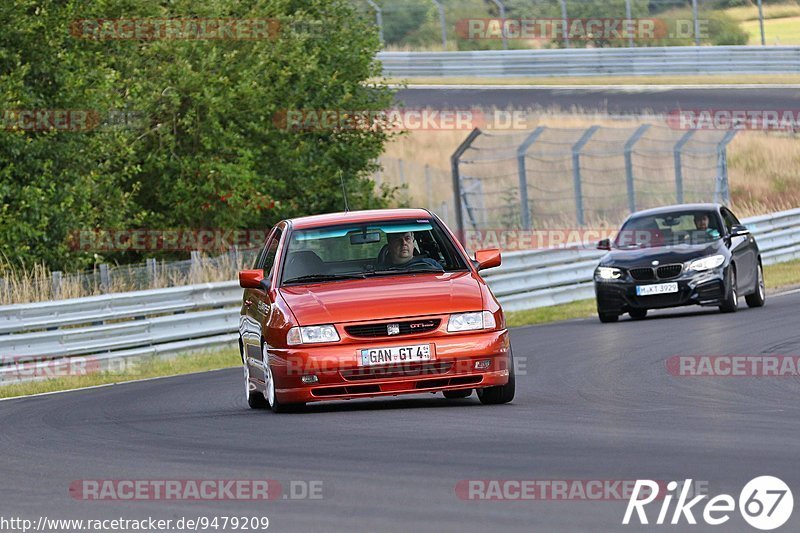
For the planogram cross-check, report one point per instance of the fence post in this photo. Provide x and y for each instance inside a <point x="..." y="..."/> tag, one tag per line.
<point x="576" y="171"/>
<point x="454" y="162"/>
<point x="722" y="191"/>
<point x="629" y="164"/>
<point x="378" y="19"/>
<point x="428" y="187"/>
<point x="678" y="167"/>
<point x="566" y="23"/>
<point x="442" y="22"/>
<point x="525" y="208"/>
<point x="401" y="172"/>
<point x="696" y="23"/>
<point x="628" y="17"/>
<point x="150" y="263"/>
<point x="761" y="23"/>
<point x="56" y="284"/>
<point x="502" y="8"/>
<point x="105" y="278"/>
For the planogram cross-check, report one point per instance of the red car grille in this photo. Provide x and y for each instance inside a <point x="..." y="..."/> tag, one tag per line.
<point x="407" y="327"/>
<point x="396" y="371"/>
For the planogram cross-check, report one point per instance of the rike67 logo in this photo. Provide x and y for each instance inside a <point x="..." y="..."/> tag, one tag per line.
<point x="765" y="503"/>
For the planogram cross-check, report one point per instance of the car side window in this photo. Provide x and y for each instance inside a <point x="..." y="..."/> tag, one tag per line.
<point x="729" y="219"/>
<point x="269" y="258"/>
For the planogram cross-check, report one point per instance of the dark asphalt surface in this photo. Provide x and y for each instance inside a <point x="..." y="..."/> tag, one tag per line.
<point x="615" y="101"/>
<point x="594" y="402"/>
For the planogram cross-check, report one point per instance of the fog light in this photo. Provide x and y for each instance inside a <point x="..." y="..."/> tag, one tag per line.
<point x="483" y="364"/>
<point x="310" y="378"/>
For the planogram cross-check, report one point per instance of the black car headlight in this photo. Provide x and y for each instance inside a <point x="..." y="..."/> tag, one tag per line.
<point x="706" y="263"/>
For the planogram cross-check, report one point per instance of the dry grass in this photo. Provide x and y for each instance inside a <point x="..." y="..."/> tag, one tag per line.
<point x="771" y="11"/>
<point x="35" y="284"/>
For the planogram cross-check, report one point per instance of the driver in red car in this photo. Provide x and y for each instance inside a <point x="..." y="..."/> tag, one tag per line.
<point x="401" y="253"/>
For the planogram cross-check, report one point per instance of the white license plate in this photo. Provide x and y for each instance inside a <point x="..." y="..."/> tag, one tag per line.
<point x="659" y="288"/>
<point x="396" y="354"/>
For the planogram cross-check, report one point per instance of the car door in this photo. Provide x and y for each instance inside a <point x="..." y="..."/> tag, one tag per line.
<point x="257" y="304"/>
<point x="743" y="249"/>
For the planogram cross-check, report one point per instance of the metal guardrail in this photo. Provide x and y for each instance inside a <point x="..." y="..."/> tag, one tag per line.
<point x="594" y="61"/>
<point x="180" y="319"/>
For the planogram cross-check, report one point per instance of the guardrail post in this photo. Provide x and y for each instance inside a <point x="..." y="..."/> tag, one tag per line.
<point x="525" y="208"/>
<point x="576" y="171"/>
<point x="442" y="22"/>
<point x="457" y="193"/>
<point x="56" y="284"/>
<point x="629" y="164"/>
<point x="378" y="19"/>
<point x="722" y="191"/>
<point x="566" y="23"/>
<point x="502" y="9"/>
<point x="678" y="167"/>
<point x="105" y="278"/>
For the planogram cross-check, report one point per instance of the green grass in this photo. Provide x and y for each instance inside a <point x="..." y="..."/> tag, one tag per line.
<point x="776" y="276"/>
<point x="543" y="315"/>
<point x="782" y="274"/>
<point x="145" y="368"/>
<point x="776" y="31"/>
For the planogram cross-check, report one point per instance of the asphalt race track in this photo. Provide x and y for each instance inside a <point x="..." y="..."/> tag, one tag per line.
<point x="595" y="403"/>
<point x="615" y="101"/>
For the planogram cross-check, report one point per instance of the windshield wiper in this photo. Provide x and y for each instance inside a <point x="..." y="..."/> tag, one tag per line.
<point x="393" y="271"/>
<point x="323" y="277"/>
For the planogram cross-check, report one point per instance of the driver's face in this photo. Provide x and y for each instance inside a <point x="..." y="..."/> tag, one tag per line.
<point x="401" y="247"/>
<point x="701" y="222"/>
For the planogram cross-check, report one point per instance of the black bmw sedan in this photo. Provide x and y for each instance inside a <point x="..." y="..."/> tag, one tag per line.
<point x="692" y="254"/>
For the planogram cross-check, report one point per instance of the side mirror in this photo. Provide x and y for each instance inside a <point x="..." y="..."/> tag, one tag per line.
<point x="604" y="244"/>
<point x="251" y="279"/>
<point x="487" y="258"/>
<point x="738" y="230"/>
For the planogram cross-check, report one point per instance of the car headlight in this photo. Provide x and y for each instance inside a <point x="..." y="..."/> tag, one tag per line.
<point x="312" y="335"/>
<point x="707" y="263"/>
<point x="605" y="273"/>
<point x="471" y="321"/>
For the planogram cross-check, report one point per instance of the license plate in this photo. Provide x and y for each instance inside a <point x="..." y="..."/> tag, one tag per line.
<point x="659" y="288"/>
<point x="396" y="354"/>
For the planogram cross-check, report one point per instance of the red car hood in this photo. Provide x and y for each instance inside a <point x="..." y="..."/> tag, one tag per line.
<point x="383" y="297"/>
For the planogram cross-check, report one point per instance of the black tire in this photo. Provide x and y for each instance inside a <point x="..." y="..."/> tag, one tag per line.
<point x="501" y="393"/>
<point x="638" y="314"/>
<point x="605" y="318"/>
<point x="731" y="303"/>
<point x="272" y="399"/>
<point x="456" y="394"/>
<point x="758" y="298"/>
<point x="255" y="398"/>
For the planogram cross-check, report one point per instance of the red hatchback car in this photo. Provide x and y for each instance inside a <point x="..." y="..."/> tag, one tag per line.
<point x="370" y="303"/>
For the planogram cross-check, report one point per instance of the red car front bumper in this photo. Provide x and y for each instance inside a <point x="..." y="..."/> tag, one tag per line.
<point x="341" y="376"/>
